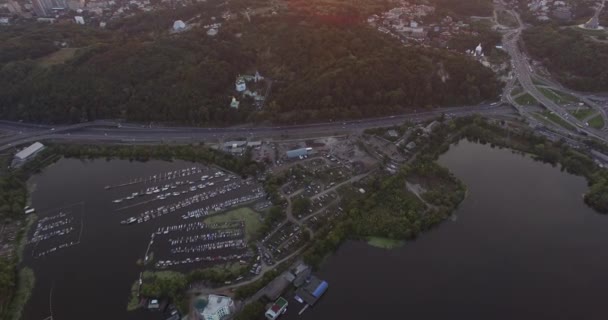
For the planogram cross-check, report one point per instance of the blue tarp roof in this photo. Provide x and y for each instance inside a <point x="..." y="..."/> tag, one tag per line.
<point x="320" y="289"/>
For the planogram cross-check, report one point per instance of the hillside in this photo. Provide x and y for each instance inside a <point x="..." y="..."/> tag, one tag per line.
<point x="576" y="61"/>
<point x="140" y="72"/>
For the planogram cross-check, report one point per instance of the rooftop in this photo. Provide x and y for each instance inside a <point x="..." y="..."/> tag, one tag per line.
<point x="215" y="303"/>
<point x="37" y="146"/>
<point x="313" y="290"/>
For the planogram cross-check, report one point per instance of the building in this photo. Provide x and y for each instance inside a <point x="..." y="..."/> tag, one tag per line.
<point x="40" y="8"/>
<point x="593" y="23"/>
<point x="234" y="103"/>
<point x="179" y="25"/>
<point x="215" y="307"/>
<point x="312" y="290"/>
<point x="240" y="84"/>
<point x="46" y="8"/>
<point x="278" y="308"/>
<point x="27" y="154"/>
<point x="479" y="51"/>
<point x="297" y="153"/>
<point x="14" y="7"/>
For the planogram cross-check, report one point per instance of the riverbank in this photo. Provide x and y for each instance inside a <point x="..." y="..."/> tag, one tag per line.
<point x="18" y="282"/>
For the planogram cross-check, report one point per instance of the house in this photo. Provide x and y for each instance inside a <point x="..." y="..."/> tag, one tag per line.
<point x="278" y="308"/>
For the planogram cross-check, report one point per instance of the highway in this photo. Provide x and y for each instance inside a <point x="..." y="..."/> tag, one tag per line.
<point x="524" y="73"/>
<point x="107" y="131"/>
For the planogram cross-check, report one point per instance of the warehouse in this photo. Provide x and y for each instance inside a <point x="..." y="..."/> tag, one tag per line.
<point x="27" y="154"/>
<point x="312" y="290"/>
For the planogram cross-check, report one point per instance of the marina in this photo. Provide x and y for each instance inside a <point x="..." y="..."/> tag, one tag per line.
<point x="164" y="176"/>
<point x="252" y="192"/>
<point x="177" y="246"/>
<point x="107" y="251"/>
<point x="56" y="229"/>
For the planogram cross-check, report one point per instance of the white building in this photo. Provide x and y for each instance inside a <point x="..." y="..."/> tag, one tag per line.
<point x="217" y="307"/>
<point x="179" y="25"/>
<point x="234" y="103"/>
<point x="479" y="51"/>
<point x="26" y="154"/>
<point x="240" y="84"/>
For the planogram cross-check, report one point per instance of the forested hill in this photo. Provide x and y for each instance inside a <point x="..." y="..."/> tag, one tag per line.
<point x="574" y="58"/>
<point x="318" y="71"/>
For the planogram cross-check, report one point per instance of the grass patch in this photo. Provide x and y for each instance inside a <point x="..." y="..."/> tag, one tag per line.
<point x="557" y="97"/>
<point x="538" y="82"/>
<point x="557" y="120"/>
<point x="526" y="100"/>
<point x="57" y="57"/>
<point x="251" y="218"/>
<point x="597" y="122"/>
<point x="25" y="284"/>
<point x="384" y="243"/>
<point x="517" y="90"/>
<point x="582" y="113"/>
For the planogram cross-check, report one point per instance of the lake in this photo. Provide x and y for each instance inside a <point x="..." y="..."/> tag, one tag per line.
<point x="522" y="245"/>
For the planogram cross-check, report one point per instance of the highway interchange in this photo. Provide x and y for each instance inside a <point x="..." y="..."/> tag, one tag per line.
<point x="109" y="131"/>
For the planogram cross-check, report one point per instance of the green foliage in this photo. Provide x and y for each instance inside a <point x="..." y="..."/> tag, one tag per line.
<point x="597" y="197"/>
<point x="165" y="284"/>
<point x="25" y="286"/>
<point x="319" y="72"/>
<point x="465" y="8"/>
<point x="577" y="62"/>
<point x="252" y="311"/>
<point x="597" y="122"/>
<point x="13" y="195"/>
<point x="250" y="289"/>
<point x="274" y="216"/>
<point x="481" y="33"/>
<point x="301" y="205"/>
<point x="329" y="72"/>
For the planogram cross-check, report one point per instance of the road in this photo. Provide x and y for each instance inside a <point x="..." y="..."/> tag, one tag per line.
<point x="523" y="73"/>
<point x="108" y="131"/>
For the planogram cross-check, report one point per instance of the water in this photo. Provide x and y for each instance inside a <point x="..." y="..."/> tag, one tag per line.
<point x="524" y="246"/>
<point x="92" y="280"/>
